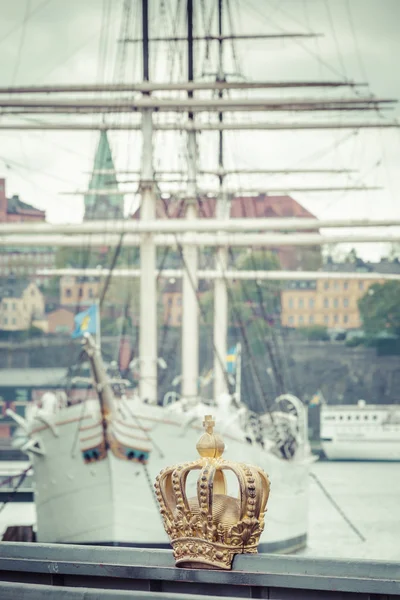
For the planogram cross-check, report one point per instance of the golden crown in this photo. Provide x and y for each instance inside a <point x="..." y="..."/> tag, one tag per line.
<point x="208" y="530"/>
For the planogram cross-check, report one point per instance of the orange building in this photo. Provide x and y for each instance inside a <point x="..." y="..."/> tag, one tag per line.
<point x="171" y="298"/>
<point x="332" y="302"/>
<point x="172" y="304"/>
<point x="78" y="291"/>
<point x="60" y="320"/>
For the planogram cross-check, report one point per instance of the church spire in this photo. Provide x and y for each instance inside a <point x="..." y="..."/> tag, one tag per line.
<point x="103" y="177"/>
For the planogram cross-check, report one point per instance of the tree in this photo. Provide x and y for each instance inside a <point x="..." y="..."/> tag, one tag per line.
<point x="380" y="308"/>
<point x="394" y="252"/>
<point x="51" y="287"/>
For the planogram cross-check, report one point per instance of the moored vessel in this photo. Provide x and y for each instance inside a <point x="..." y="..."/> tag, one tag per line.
<point x="361" y="431"/>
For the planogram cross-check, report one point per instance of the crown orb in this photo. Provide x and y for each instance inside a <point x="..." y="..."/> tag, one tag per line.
<point x="210" y="445"/>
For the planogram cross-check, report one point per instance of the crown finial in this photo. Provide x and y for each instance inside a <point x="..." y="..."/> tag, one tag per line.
<point x="209" y="424"/>
<point x="210" y="445"/>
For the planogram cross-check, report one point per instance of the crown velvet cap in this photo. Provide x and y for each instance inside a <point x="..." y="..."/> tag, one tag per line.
<point x="206" y="531"/>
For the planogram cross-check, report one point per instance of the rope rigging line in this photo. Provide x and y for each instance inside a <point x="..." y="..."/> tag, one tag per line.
<point x="337" y="507"/>
<point x="312" y="53"/>
<point x="76" y="436"/>
<point x="264" y="339"/>
<point x="22" y="477"/>
<point x="201" y="307"/>
<point x="261" y="338"/>
<point x="237" y="316"/>
<point x="151" y="486"/>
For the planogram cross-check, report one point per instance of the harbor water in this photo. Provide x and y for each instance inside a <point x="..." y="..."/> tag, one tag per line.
<point x="368" y="493"/>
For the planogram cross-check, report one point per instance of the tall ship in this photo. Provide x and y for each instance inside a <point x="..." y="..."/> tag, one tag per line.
<point x="361" y="431"/>
<point x="95" y="460"/>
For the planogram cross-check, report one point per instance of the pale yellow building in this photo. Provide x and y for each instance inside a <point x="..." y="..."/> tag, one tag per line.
<point x="21" y="305"/>
<point x="332" y="303"/>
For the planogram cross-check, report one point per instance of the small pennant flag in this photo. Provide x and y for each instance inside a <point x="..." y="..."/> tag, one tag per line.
<point x="86" y="322"/>
<point x="231" y="360"/>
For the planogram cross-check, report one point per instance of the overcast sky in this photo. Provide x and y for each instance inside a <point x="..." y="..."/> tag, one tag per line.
<point x="59" y="41"/>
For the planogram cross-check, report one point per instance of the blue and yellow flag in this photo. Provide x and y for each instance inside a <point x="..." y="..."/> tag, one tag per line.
<point x="231" y="359"/>
<point x="86" y="322"/>
<point x="316" y="399"/>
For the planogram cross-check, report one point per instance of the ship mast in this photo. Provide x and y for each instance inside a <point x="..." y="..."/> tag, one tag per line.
<point x="190" y="309"/>
<point x="148" y="282"/>
<point x="222" y="212"/>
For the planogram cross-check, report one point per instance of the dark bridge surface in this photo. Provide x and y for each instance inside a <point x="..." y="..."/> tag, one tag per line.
<point x="66" y="572"/>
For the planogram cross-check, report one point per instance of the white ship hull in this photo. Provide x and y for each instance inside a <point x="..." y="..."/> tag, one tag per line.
<point x="111" y="501"/>
<point x="361" y="432"/>
<point x="354" y="449"/>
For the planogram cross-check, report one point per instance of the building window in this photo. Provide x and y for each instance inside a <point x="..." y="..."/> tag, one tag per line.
<point x="326" y="319"/>
<point x="13" y="321"/>
<point x="345" y="302"/>
<point x="345" y="319"/>
<point x="301" y="320"/>
<point x="345" y="285"/>
<point x="336" y="285"/>
<point x="311" y="320"/>
<point x="169" y="301"/>
<point x="68" y="293"/>
<point x="90" y="291"/>
<point x="336" y="319"/>
<point x="326" y="285"/>
<point x="5" y="321"/>
<point x="5" y="305"/>
<point x="335" y="303"/>
<point x="14" y="306"/>
<point x="179" y="318"/>
<point x="290" y="302"/>
<point x="301" y="302"/>
<point x="290" y="320"/>
<point x="179" y="300"/>
<point x="360" y="285"/>
<point x="311" y="303"/>
<point x="80" y="292"/>
<point x="326" y="303"/>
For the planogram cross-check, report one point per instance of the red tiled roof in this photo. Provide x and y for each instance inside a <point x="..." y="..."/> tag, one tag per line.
<point x="241" y="207"/>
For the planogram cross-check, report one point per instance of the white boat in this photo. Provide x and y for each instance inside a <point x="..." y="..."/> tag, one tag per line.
<point x="95" y="464"/>
<point x="361" y="432"/>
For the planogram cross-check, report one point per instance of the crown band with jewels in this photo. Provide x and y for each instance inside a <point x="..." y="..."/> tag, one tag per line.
<point x="206" y="531"/>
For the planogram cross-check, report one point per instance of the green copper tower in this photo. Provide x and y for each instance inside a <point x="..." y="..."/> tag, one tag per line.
<point x="103" y="206"/>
